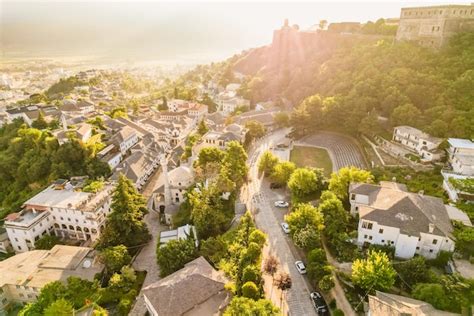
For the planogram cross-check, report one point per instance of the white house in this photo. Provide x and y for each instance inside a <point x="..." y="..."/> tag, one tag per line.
<point x="111" y="155"/>
<point x="125" y="139"/>
<point x="180" y="179"/>
<point x="62" y="209"/>
<point x="461" y="160"/>
<point x="461" y="156"/>
<point x="412" y="223"/>
<point x="421" y="143"/>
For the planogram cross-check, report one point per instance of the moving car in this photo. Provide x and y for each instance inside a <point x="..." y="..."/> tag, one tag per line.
<point x="285" y="227"/>
<point x="300" y="267"/>
<point x="319" y="304"/>
<point x="281" y="204"/>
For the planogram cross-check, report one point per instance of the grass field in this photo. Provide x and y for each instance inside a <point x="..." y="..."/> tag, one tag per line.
<point x="311" y="157"/>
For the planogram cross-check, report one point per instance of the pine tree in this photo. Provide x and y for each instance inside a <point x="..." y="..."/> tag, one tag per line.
<point x="125" y="223"/>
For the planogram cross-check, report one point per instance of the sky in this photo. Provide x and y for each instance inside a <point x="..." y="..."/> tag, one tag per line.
<point x="160" y="30"/>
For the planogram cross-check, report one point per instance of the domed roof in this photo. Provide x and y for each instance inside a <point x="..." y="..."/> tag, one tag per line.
<point x="235" y="128"/>
<point x="181" y="174"/>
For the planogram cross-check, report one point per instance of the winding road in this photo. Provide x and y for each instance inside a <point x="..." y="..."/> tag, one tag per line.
<point x="259" y="198"/>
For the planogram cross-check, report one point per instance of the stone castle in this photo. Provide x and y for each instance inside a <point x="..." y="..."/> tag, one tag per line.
<point x="433" y="26"/>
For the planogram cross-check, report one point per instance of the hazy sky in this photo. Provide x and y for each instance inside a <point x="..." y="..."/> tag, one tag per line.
<point x="166" y="30"/>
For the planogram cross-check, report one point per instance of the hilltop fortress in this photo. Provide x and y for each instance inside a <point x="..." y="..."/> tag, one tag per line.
<point x="433" y="26"/>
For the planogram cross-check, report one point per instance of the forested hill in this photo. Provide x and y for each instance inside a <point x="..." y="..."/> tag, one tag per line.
<point x="354" y="81"/>
<point x="31" y="158"/>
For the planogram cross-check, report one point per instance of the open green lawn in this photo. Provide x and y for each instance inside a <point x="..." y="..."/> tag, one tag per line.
<point x="311" y="157"/>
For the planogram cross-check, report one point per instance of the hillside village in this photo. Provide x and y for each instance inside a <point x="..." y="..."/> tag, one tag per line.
<point x="237" y="188"/>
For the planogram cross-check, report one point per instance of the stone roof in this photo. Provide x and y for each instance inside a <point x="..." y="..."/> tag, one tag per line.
<point x="197" y="289"/>
<point x="36" y="268"/>
<point x="181" y="174"/>
<point x="125" y="133"/>
<point x="382" y="304"/>
<point x="412" y="213"/>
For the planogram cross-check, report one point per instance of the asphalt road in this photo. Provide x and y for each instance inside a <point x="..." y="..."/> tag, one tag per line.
<point x="260" y="200"/>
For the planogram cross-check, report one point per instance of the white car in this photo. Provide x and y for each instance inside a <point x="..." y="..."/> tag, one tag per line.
<point x="285" y="227"/>
<point x="281" y="204"/>
<point x="300" y="267"/>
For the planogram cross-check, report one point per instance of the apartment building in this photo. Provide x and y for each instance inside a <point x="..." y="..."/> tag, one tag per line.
<point x="62" y="209"/>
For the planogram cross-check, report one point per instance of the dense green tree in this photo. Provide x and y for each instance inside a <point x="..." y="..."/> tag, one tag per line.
<point x="255" y="130"/>
<point x="305" y="181"/>
<point x="202" y="128"/>
<point x="115" y="258"/>
<point x="282" y="172"/>
<point x="47" y="242"/>
<point x="373" y="273"/>
<point x="433" y="294"/>
<point x="59" y="307"/>
<point x="307" y="238"/>
<point x="40" y="122"/>
<point x="236" y="161"/>
<point x="209" y="155"/>
<point x="125" y="225"/>
<point x="208" y="214"/>
<point x="281" y="119"/>
<point x="267" y="162"/>
<point x="163" y="106"/>
<point x="413" y="271"/>
<point x="250" y="290"/>
<point x="317" y="264"/>
<point x="339" y="182"/>
<point x="175" y="254"/>
<point x="242" y="306"/>
<point x="302" y="216"/>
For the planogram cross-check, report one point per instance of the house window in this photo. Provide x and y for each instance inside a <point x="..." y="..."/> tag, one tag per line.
<point x="392" y="242"/>
<point x="435" y="241"/>
<point x="431" y="250"/>
<point x="22" y="295"/>
<point x="370" y="237"/>
<point x="417" y="248"/>
<point x="365" y="236"/>
<point x="353" y="196"/>
<point x="383" y="240"/>
<point x="380" y="231"/>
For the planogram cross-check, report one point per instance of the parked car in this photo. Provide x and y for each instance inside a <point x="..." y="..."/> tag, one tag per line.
<point x="319" y="304"/>
<point x="285" y="227"/>
<point x="275" y="185"/>
<point x="281" y="204"/>
<point x="300" y="267"/>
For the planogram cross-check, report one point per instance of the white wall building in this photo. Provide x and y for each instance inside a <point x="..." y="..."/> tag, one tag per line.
<point x="24" y="275"/>
<point x="126" y="138"/>
<point x="180" y="179"/>
<point x="461" y="156"/>
<point x="62" y="209"/>
<point x="421" y="143"/>
<point x="412" y="223"/>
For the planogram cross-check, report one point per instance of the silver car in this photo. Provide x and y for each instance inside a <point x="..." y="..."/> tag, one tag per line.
<point x="300" y="267"/>
<point x="285" y="227"/>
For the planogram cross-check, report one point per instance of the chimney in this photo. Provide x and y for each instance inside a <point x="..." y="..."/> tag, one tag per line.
<point x="431" y="228"/>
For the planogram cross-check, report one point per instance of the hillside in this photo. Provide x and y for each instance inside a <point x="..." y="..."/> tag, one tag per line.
<point x="353" y="80"/>
<point x="285" y="68"/>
